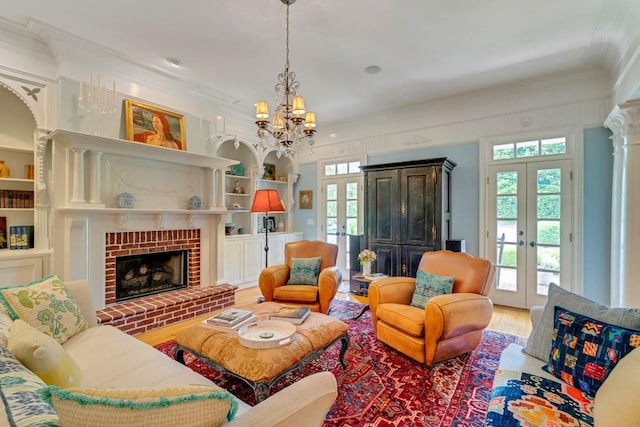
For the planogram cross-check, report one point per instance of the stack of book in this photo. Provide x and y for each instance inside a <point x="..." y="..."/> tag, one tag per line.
<point x="21" y="236"/>
<point x="295" y="315"/>
<point x="229" y="320"/>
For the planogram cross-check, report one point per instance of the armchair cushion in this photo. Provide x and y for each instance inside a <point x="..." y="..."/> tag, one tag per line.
<point x="304" y="271"/>
<point x="430" y="285"/>
<point x="406" y="318"/>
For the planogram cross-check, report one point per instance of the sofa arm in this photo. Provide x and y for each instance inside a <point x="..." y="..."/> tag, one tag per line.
<point x="328" y="282"/>
<point x="450" y="315"/>
<point x="272" y="277"/>
<point x="303" y="403"/>
<point x="81" y="293"/>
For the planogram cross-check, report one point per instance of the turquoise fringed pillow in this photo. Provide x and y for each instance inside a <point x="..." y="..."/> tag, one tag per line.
<point x="428" y="286"/>
<point x="304" y="271"/>
<point x="166" y="406"/>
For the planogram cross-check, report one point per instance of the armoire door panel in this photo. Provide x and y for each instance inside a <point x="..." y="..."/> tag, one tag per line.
<point x="411" y="256"/>
<point x="387" y="260"/>
<point x="382" y="206"/>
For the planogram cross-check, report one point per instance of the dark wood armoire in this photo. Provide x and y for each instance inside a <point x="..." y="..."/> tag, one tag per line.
<point x="407" y="212"/>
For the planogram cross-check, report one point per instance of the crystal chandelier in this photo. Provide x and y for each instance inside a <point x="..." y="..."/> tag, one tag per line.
<point x="292" y="125"/>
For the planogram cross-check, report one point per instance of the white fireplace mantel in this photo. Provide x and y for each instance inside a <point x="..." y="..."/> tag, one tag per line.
<point x="86" y="174"/>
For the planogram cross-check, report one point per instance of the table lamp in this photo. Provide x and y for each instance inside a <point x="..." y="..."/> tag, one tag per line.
<point x="266" y="201"/>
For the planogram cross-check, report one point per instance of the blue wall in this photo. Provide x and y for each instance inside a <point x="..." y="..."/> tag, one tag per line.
<point x="464" y="186"/>
<point x="598" y="173"/>
<point x="308" y="181"/>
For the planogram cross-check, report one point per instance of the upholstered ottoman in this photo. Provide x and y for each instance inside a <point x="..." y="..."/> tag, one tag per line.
<point x="261" y="368"/>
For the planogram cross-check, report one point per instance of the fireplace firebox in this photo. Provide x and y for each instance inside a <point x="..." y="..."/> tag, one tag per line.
<point x="152" y="273"/>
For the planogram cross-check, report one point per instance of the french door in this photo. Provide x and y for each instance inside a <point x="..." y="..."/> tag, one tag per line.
<point x="529" y="213"/>
<point x="342" y="209"/>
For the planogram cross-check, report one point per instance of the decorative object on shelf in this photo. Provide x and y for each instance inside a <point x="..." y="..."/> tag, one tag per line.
<point x="96" y="97"/>
<point x="5" y="172"/>
<point x="28" y="172"/>
<point x="237" y="206"/>
<point x="228" y="228"/>
<point x="269" y="223"/>
<point x="266" y="201"/>
<point x="292" y="125"/>
<point x="269" y="171"/>
<point x="3" y="233"/>
<point x="237" y="170"/>
<point x="281" y="177"/>
<point x="237" y="188"/>
<point x="241" y="230"/>
<point x="154" y="126"/>
<point x="280" y="226"/>
<point x="125" y="200"/>
<point x="195" y="203"/>
<point x="305" y="199"/>
<point x="366" y="258"/>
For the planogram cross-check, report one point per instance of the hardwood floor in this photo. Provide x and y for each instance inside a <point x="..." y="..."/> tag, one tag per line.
<point x="510" y="320"/>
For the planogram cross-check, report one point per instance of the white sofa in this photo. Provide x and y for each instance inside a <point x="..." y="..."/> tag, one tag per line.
<point x="110" y="358"/>
<point x="523" y="393"/>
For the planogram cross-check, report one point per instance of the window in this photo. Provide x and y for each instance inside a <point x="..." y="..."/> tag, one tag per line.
<point x="533" y="148"/>
<point x="345" y="168"/>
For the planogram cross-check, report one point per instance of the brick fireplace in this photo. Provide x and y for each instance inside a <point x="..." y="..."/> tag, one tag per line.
<point x="147" y="312"/>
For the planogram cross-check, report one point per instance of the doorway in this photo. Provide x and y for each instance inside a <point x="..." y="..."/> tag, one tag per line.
<point x="529" y="229"/>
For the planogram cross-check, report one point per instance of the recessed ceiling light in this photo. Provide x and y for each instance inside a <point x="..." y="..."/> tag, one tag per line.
<point x="175" y="62"/>
<point x="372" y="69"/>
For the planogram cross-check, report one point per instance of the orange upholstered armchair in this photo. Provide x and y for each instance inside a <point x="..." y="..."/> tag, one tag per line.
<point x="274" y="279"/>
<point x="450" y="324"/>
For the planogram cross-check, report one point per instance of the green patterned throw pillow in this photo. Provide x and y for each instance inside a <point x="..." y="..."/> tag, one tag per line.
<point x="430" y="285"/>
<point x="304" y="271"/>
<point x="46" y="305"/>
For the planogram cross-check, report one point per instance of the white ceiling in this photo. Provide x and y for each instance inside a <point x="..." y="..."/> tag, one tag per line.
<point x="427" y="49"/>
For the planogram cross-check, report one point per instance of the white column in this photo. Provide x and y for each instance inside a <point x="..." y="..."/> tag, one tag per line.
<point x="96" y="178"/>
<point x="624" y="122"/>
<point x="77" y="186"/>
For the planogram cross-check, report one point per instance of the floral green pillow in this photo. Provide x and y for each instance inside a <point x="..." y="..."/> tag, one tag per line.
<point x="304" y="271"/>
<point x="46" y="305"/>
<point x="430" y="285"/>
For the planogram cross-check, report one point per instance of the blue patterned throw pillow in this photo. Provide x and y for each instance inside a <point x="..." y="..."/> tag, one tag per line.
<point x="585" y="350"/>
<point x="304" y="271"/>
<point x="430" y="285"/>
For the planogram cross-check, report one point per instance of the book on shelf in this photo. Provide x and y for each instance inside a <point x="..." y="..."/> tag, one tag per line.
<point x="295" y="315"/>
<point x="233" y="328"/>
<point x="230" y="317"/>
<point x="4" y="238"/>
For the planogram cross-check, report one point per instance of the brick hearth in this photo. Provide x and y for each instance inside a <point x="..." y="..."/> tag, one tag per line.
<point x="149" y="312"/>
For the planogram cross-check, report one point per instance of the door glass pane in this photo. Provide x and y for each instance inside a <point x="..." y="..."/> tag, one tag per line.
<point x="330" y="170"/>
<point x="507" y="230"/>
<point x="549" y="181"/>
<point x="332" y="238"/>
<point x="506" y="279"/>
<point x="354" y="167"/>
<point x="332" y="208"/>
<point x="507" y="207"/>
<point x="352" y="225"/>
<point x="544" y="278"/>
<point x="332" y="225"/>
<point x="549" y="207"/>
<point x="352" y="208"/>
<point x="352" y="190"/>
<point x="548" y="232"/>
<point x="507" y="255"/>
<point x="343" y="168"/>
<point x="548" y="258"/>
<point x="332" y="192"/>
<point x="507" y="183"/>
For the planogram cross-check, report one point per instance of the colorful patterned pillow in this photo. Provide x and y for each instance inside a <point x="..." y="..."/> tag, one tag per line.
<point x="522" y="399"/>
<point x="46" y="305"/>
<point x="304" y="271"/>
<point x="430" y="285"/>
<point x="585" y="351"/>
<point x="21" y="404"/>
<point x="166" y="406"/>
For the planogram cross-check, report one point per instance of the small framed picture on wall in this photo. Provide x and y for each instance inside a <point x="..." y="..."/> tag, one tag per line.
<point x="305" y="199"/>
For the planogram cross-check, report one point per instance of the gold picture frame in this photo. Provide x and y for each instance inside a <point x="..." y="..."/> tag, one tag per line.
<point x="305" y="199"/>
<point x="143" y="124"/>
<point x="269" y="171"/>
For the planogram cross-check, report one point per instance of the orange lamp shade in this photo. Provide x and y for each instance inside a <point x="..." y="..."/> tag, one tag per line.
<point x="267" y="201"/>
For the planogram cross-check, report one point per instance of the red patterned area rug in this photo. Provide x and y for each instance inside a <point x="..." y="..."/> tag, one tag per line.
<point x="382" y="387"/>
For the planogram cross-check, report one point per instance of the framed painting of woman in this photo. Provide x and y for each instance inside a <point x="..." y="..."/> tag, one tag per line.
<point x="154" y="126"/>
